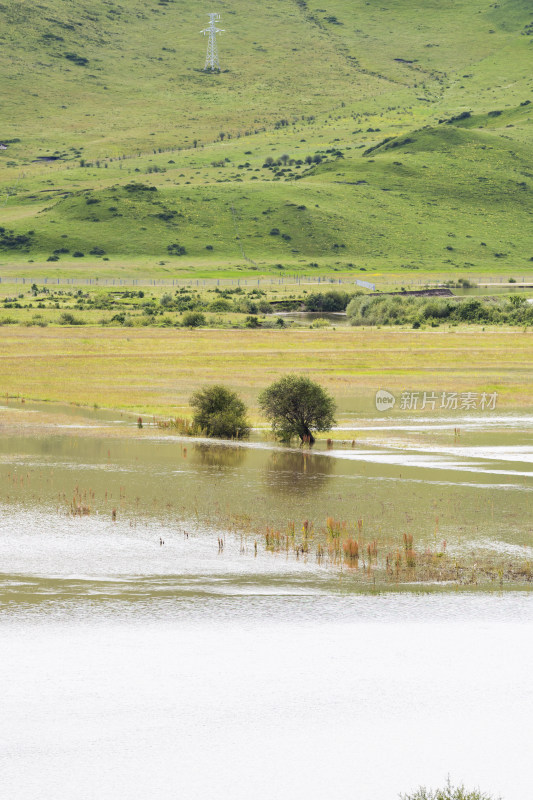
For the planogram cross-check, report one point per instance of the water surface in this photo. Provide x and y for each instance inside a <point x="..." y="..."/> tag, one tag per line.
<point x="152" y="647"/>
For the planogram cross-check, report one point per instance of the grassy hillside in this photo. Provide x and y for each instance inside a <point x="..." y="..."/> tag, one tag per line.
<point x="338" y="136"/>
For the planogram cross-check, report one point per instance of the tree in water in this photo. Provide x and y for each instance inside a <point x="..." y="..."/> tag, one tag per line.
<point x="297" y="406"/>
<point x="220" y="412"/>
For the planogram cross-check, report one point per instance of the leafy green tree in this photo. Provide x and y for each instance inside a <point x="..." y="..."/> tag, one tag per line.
<point x="220" y="413"/>
<point x="297" y="406"/>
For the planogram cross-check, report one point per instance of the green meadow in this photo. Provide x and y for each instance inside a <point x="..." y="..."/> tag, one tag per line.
<point x="155" y="370"/>
<point x="344" y="139"/>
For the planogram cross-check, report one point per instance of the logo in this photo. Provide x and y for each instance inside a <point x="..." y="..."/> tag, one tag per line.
<point x="384" y="400"/>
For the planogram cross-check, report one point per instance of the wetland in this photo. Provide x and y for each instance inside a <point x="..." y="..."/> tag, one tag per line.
<point x="262" y="604"/>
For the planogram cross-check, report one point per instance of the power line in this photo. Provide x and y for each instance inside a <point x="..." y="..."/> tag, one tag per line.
<point x="211" y="62"/>
<point x="234" y="215"/>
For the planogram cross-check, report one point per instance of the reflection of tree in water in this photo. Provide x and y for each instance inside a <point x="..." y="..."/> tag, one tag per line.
<point x="297" y="471"/>
<point x="219" y="456"/>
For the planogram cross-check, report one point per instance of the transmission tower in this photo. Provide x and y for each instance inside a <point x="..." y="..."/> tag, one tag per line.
<point x="211" y="60"/>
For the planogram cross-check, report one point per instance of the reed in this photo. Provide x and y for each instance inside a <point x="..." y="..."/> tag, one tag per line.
<point x="351" y="552"/>
<point x="181" y="425"/>
<point x="335" y="527"/>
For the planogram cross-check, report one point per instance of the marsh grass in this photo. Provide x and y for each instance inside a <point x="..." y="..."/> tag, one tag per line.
<point x="448" y="792"/>
<point x="181" y="425"/>
<point x="392" y="561"/>
<point x="340" y="545"/>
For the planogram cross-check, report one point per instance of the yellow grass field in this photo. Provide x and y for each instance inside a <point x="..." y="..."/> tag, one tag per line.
<point x="155" y="370"/>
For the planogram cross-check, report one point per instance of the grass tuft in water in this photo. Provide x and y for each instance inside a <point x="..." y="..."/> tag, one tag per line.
<point x="448" y="792"/>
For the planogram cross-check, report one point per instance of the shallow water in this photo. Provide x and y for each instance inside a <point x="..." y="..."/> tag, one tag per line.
<point x="138" y="669"/>
<point x="261" y="696"/>
<point x="396" y="474"/>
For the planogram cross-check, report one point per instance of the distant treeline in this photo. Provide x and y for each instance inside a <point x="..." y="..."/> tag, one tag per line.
<point x="417" y="311"/>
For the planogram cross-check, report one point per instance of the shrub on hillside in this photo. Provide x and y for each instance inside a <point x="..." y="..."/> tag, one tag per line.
<point x="14" y="241"/>
<point x="176" y="249"/>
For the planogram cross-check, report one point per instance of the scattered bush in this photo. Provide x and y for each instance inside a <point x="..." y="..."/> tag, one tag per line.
<point x="220" y="412"/>
<point x="139" y="187"/>
<point x="320" y="323"/>
<point x="36" y="320"/>
<point x="193" y="319"/>
<point x="176" y="249"/>
<point x="166" y="300"/>
<point x="67" y="318"/>
<point x="220" y="306"/>
<point x="81" y="61"/>
<point x="14" y="241"/>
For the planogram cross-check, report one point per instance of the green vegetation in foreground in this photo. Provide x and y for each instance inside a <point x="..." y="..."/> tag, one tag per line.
<point x="327" y="143"/>
<point x="449" y="792"/>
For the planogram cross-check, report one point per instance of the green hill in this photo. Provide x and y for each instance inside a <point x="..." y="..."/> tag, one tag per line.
<point x="338" y="135"/>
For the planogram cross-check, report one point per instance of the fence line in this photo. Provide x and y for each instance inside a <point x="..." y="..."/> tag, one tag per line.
<point x="285" y="280"/>
<point x="289" y="280"/>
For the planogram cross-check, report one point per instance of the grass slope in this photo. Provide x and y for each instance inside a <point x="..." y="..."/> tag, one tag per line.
<point x="120" y="98"/>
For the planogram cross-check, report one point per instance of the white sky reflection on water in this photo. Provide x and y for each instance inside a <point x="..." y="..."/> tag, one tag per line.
<point x="280" y="701"/>
<point x="130" y="669"/>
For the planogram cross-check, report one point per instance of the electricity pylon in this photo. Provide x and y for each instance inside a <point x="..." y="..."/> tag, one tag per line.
<point x="211" y="61"/>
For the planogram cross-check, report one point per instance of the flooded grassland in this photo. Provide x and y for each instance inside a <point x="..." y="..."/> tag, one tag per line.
<point x="391" y="502"/>
<point x="183" y="617"/>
